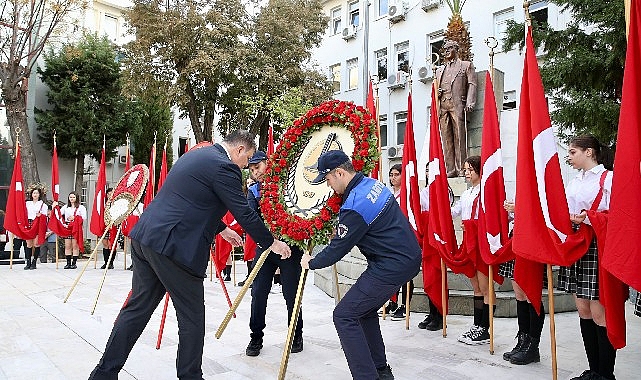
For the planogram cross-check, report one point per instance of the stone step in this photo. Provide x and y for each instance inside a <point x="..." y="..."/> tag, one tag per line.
<point x="460" y="289"/>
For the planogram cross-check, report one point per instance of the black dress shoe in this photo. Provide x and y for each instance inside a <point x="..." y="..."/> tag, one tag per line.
<point x="435" y="325"/>
<point x="385" y="373"/>
<point x="426" y="321"/>
<point x="297" y="345"/>
<point x="254" y="347"/>
<point x="103" y="266"/>
<point x="68" y="266"/>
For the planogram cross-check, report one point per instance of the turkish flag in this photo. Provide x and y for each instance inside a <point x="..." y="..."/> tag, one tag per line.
<point x="163" y="169"/>
<point x="15" y="219"/>
<point x="223" y="247"/>
<point x="542" y="228"/>
<point x="371" y="107"/>
<point x="97" y="224"/>
<point x="493" y="219"/>
<point x="249" y="248"/>
<point x="55" y="176"/>
<point x="410" y="200"/>
<point x="151" y="185"/>
<point x="622" y="254"/>
<point x="440" y="228"/>
<point x="270" y="142"/>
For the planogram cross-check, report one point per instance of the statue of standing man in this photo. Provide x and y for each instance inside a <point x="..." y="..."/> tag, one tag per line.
<point x="456" y="83"/>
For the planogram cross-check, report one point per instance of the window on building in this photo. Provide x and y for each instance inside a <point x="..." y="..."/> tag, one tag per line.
<point x="539" y="12"/>
<point x="336" y="21"/>
<point x="509" y="100"/>
<point x="83" y="193"/>
<point x="382" y="7"/>
<point x="382" y="122"/>
<point x="402" y="56"/>
<point x="110" y="28"/>
<point x="381" y="64"/>
<point x="500" y="22"/>
<point x="335" y="73"/>
<point x="353" y="13"/>
<point x="434" y="46"/>
<point x="352" y="73"/>
<point x="182" y="144"/>
<point x="400" y="119"/>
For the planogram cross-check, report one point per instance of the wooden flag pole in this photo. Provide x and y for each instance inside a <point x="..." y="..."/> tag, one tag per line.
<point x="444" y="296"/>
<point x="491" y="299"/>
<point x="104" y="274"/>
<point x="162" y="321"/>
<point x="552" y="326"/>
<point x="293" y="321"/>
<point x="336" y="288"/>
<point x="241" y="293"/>
<point x="85" y="266"/>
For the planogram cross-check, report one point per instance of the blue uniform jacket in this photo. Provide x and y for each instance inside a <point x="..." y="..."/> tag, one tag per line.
<point x="185" y="215"/>
<point x="371" y="219"/>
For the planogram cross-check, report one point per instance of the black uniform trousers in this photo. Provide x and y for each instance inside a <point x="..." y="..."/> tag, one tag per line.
<point x="356" y="322"/>
<point x="290" y="271"/>
<point x="153" y="275"/>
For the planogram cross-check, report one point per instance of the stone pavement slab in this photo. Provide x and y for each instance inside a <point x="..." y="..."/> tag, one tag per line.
<point x="43" y="338"/>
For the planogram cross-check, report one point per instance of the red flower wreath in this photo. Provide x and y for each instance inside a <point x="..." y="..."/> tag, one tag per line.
<point x="316" y="230"/>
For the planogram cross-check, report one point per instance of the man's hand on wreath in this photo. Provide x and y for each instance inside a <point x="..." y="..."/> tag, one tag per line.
<point x="304" y="261"/>
<point x="232" y="237"/>
<point x="282" y="249"/>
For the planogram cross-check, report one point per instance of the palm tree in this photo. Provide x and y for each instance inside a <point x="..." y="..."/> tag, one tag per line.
<point x="456" y="30"/>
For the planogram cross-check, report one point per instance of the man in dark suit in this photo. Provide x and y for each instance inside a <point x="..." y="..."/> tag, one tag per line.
<point x="170" y="249"/>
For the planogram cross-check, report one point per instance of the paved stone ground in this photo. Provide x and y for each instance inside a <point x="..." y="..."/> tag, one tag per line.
<point x="43" y="338"/>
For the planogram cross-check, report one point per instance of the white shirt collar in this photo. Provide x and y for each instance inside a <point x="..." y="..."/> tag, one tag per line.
<point x="226" y="151"/>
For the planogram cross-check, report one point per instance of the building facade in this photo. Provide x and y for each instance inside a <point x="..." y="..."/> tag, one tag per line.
<point x="397" y="44"/>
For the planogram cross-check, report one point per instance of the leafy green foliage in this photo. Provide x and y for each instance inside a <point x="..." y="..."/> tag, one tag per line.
<point x="212" y="56"/>
<point x="157" y="121"/>
<point x="582" y="66"/>
<point x="85" y="99"/>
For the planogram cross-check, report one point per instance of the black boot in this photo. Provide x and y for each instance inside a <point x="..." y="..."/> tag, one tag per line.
<point x="27" y="258"/>
<point x="227" y="273"/>
<point x="36" y="255"/>
<point x="111" y="262"/>
<point x="68" y="266"/>
<point x="74" y="260"/>
<point x="590" y="342"/>
<point x="105" y="256"/>
<point x="520" y="336"/>
<point x="529" y="352"/>
<point x="607" y="354"/>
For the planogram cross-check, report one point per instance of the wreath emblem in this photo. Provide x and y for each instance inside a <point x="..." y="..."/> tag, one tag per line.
<point x="293" y="208"/>
<point x="126" y="195"/>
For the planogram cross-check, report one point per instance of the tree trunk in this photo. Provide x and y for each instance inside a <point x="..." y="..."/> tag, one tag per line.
<point x="15" y="102"/>
<point x="80" y="176"/>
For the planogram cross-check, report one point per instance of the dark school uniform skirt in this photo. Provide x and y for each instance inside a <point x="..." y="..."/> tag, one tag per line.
<point x="582" y="277"/>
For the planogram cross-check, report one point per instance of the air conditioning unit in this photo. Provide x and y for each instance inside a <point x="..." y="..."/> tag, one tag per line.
<point x="397" y="11"/>
<point x="395" y="151"/>
<point x="349" y="32"/>
<point x="397" y="80"/>
<point x="428" y="5"/>
<point x="122" y="160"/>
<point x="424" y="74"/>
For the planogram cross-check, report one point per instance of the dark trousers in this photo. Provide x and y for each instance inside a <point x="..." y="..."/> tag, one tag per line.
<point x="356" y="321"/>
<point x="290" y="271"/>
<point x="153" y="275"/>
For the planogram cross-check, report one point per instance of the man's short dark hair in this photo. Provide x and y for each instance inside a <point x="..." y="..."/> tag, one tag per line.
<point x="347" y="166"/>
<point x="240" y="137"/>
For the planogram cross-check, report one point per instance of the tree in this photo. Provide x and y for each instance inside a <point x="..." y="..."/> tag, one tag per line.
<point x="86" y="102"/>
<point x="457" y="31"/>
<point x="582" y="66"/>
<point x="156" y="121"/>
<point x="280" y="51"/>
<point x="25" y="29"/>
<point x="192" y="49"/>
<point x="210" y="57"/>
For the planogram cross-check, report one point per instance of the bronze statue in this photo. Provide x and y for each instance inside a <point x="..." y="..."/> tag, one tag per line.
<point x="456" y="83"/>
